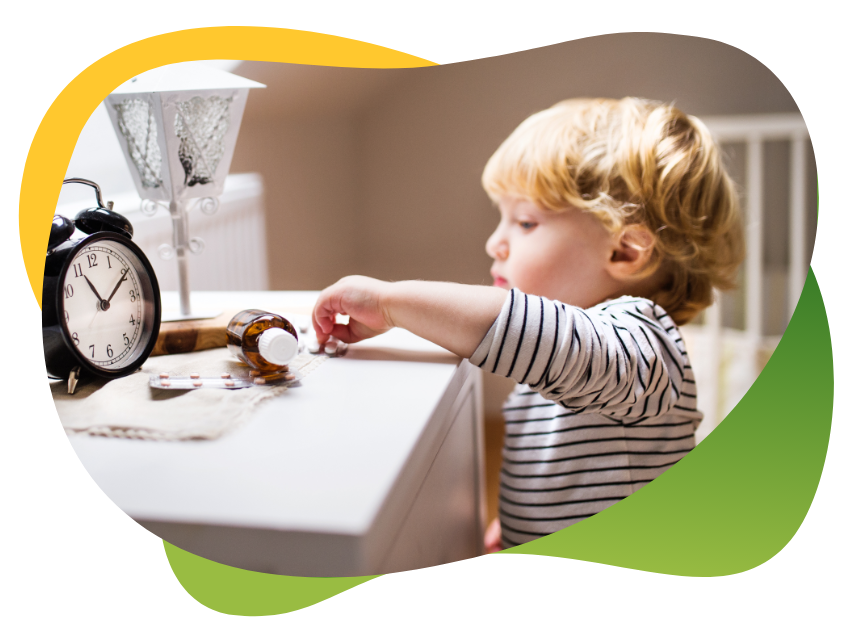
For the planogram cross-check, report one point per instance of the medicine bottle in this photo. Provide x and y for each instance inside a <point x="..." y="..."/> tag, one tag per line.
<point x="262" y="340"/>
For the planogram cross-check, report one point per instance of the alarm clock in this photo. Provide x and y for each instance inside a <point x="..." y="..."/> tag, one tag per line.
<point x="101" y="305"/>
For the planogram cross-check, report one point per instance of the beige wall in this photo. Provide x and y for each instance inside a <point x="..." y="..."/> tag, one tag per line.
<point x="378" y="171"/>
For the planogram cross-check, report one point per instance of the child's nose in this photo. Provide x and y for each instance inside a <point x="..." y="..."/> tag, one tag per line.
<point x="497" y="247"/>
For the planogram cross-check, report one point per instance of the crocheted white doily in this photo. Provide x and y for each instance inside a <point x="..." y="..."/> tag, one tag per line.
<point x="128" y="407"/>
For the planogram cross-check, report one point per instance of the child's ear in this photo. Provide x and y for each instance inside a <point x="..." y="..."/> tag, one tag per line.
<point x="631" y="253"/>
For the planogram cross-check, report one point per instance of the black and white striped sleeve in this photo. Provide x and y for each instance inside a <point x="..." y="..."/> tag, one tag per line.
<point x="623" y="359"/>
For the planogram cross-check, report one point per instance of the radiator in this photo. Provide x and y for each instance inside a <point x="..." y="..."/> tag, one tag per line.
<point x="234" y="257"/>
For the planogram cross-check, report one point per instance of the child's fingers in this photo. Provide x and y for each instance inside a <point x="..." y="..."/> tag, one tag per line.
<point x="320" y="336"/>
<point x="324" y="316"/>
<point x="340" y="332"/>
<point x="349" y="297"/>
<point x="352" y="332"/>
<point x="323" y="326"/>
<point x="326" y="327"/>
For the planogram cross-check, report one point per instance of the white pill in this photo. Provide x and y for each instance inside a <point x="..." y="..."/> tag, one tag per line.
<point x="259" y="381"/>
<point x="194" y="375"/>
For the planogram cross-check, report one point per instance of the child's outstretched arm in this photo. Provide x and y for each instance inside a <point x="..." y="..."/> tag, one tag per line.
<point x="454" y="316"/>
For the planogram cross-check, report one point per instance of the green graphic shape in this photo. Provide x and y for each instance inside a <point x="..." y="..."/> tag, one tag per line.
<point x="249" y="593"/>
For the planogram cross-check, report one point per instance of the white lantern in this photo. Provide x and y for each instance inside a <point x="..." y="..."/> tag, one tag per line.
<point x="177" y="126"/>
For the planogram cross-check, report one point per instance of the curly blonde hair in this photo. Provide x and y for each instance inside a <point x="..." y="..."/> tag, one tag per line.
<point x="633" y="162"/>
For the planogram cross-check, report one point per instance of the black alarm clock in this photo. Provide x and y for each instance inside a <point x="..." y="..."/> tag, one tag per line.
<point x="101" y="305"/>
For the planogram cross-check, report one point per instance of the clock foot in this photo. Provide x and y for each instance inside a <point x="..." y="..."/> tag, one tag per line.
<point x="72" y="380"/>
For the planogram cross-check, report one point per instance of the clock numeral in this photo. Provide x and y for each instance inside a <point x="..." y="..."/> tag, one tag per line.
<point x="92" y="261"/>
<point x="66" y="316"/>
<point x="132" y="295"/>
<point x="126" y="339"/>
<point x="77" y="269"/>
<point x="68" y="291"/>
<point x="109" y="351"/>
<point x="75" y="337"/>
<point x="91" y="348"/>
<point x="131" y="320"/>
<point x="109" y="261"/>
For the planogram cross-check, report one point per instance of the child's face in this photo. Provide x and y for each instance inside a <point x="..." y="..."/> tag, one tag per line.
<point x="559" y="255"/>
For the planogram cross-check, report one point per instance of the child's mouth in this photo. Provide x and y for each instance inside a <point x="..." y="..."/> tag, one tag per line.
<point x="500" y="281"/>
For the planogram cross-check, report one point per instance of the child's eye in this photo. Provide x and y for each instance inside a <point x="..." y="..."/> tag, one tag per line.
<point x="527" y="225"/>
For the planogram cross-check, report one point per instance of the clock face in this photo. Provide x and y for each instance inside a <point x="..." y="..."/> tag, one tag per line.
<point x="104" y="304"/>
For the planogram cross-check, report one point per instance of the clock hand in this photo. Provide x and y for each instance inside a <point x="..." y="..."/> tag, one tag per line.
<point x="117" y="286"/>
<point x="96" y="293"/>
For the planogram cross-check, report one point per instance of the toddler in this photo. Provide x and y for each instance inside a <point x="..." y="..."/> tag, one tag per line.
<point x="617" y="221"/>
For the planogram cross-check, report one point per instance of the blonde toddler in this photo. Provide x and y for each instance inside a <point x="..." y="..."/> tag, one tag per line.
<point x="617" y="221"/>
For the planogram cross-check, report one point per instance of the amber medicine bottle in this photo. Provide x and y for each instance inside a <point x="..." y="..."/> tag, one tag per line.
<point x="262" y="340"/>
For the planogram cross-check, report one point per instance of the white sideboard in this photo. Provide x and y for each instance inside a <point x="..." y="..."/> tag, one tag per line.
<point x="373" y="465"/>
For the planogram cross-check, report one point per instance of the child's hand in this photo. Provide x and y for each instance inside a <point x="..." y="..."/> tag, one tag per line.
<point x="454" y="316"/>
<point x="358" y="297"/>
<point x="493" y="540"/>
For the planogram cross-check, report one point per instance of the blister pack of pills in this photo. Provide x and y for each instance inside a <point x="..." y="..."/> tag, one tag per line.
<point x="288" y="378"/>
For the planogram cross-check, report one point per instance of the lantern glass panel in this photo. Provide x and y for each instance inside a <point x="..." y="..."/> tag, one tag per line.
<point x="201" y="124"/>
<point x="136" y="122"/>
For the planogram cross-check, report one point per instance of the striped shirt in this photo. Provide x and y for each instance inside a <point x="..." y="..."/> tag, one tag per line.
<point x="607" y="402"/>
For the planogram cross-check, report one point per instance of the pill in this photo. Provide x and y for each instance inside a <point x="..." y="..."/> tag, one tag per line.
<point x="313" y="347"/>
<point x="229" y="383"/>
<point x="165" y="383"/>
<point x="259" y="381"/>
<point x="197" y="383"/>
<point x="289" y="377"/>
<point x="331" y="348"/>
<point x="164" y="375"/>
<point x="194" y="375"/>
<point x="225" y="375"/>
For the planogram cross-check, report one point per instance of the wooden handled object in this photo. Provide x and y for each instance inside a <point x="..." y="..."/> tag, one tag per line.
<point x="201" y="334"/>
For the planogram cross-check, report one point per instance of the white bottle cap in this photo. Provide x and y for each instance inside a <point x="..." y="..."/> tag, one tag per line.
<point x="277" y="346"/>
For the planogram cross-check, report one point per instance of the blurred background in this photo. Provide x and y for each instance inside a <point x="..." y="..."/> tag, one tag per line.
<point x="343" y="171"/>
